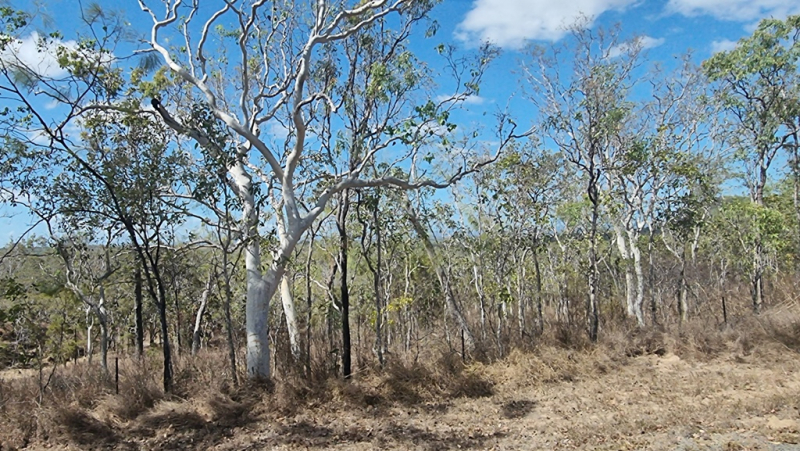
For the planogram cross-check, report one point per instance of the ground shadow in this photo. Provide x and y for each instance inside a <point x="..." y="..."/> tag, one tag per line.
<point x="517" y="409"/>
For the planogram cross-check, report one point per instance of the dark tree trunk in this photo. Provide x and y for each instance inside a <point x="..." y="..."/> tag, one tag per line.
<point x="377" y="284"/>
<point x="178" y="342"/>
<point x="591" y="305"/>
<point x="137" y="294"/>
<point x="341" y="224"/>
<point x="162" y="315"/>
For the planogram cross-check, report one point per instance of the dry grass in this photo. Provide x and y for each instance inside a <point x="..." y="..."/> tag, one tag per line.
<point x="635" y="388"/>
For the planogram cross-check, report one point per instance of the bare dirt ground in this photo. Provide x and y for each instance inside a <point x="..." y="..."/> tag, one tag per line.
<point x="562" y="400"/>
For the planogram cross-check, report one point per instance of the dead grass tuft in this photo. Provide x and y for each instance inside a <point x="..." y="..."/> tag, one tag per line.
<point x="226" y="411"/>
<point x="18" y="413"/>
<point x="470" y="384"/>
<point x="408" y="384"/>
<point x="139" y="391"/>
<point x="83" y="428"/>
<point x="171" y="415"/>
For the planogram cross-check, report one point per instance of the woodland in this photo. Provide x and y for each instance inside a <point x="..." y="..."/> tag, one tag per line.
<point x="270" y="197"/>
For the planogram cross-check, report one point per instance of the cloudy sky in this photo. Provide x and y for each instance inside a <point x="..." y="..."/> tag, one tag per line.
<point x="702" y="24"/>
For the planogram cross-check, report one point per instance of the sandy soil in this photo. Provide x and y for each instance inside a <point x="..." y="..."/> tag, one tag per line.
<point x="649" y="403"/>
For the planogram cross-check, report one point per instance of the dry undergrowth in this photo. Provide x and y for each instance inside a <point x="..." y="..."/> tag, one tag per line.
<point x="697" y="387"/>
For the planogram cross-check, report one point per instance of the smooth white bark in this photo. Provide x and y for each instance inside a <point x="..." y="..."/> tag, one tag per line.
<point x="636" y="253"/>
<point x="622" y="246"/>
<point x="201" y="309"/>
<point x="291" y="317"/>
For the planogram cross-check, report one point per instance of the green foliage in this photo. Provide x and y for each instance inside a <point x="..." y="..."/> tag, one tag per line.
<point x="773" y="48"/>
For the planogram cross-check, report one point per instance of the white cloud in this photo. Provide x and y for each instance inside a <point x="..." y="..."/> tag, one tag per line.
<point x="30" y="53"/>
<point x="277" y="131"/>
<point x="509" y="23"/>
<point x="723" y="45"/>
<point x="645" y="42"/>
<point x="649" y="42"/>
<point x="469" y="100"/>
<point x="735" y="10"/>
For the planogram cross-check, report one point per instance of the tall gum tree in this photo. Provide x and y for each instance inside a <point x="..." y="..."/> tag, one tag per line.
<point x="584" y="106"/>
<point x="268" y="74"/>
<point x="656" y="163"/>
<point x="108" y="162"/>
<point x="757" y="88"/>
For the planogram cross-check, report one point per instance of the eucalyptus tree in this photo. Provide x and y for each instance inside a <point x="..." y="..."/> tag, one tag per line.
<point x="584" y="106"/>
<point x="684" y="136"/>
<point x="757" y="85"/>
<point x="441" y="263"/>
<point x="525" y="182"/>
<point x="371" y="235"/>
<point x="659" y="157"/>
<point x="87" y="272"/>
<point x="279" y="67"/>
<point x="112" y="174"/>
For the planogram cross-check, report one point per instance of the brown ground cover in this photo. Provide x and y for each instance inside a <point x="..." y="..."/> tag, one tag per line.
<point x="696" y="389"/>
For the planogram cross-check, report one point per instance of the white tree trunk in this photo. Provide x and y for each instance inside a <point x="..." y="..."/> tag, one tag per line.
<point x="257" y="314"/>
<point x="291" y="317"/>
<point x="258" y="291"/>
<point x="630" y="301"/>
<point x="89" y="327"/>
<point x="198" y="320"/>
<point x="104" y="344"/>
<point x="637" y="267"/>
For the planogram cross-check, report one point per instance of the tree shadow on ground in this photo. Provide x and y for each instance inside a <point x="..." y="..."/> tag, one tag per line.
<point x="518" y="408"/>
<point x="310" y="435"/>
<point x="88" y="432"/>
<point x="172" y="426"/>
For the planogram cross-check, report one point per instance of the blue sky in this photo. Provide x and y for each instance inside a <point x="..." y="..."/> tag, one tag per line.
<point x="669" y="28"/>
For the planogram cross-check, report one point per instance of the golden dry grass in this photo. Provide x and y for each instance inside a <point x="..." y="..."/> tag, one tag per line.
<point x="696" y="387"/>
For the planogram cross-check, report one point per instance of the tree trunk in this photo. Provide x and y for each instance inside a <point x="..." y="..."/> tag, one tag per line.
<point x="178" y="342"/>
<point x="291" y="317"/>
<point x="256" y="314"/>
<point x="104" y="343"/>
<point x="652" y="278"/>
<point x="309" y="302"/>
<point x="481" y="298"/>
<point x="376" y="278"/>
<point x="165" y="347"/>
<point x="592" y="314"/>
<point x="757" y="280"/>
<point x="137" y="295"/>
<point x="539" y="307"/>
<point x="89" y="341"/>
<point x="625" y="254"/>
<point x="259" y="291"/>
<point x="198" y="320"/>
<point x="102" y="317"/>
<point x="636" y="253"/>
<point x="444" y="280"/>
<point x="683" y="304"/>
<point x="341" y="224"/>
